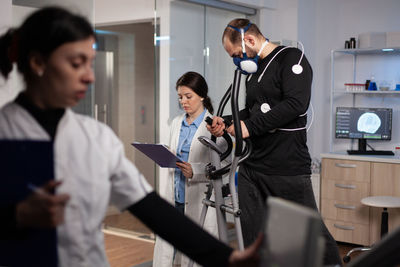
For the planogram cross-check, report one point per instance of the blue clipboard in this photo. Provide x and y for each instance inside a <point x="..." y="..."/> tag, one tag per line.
<point x="24" y="162"/>
<point x="159" y="153"/>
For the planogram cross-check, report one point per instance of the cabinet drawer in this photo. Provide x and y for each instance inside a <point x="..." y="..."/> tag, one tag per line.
<point x="344" y="190"/>
<point x="345" y="211"/>
<point x="348" y="232"/>
<point x="348" y="170"/>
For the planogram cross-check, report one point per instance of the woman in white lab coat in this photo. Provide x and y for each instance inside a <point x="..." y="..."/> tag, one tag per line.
<point x="184" y="187"/>
<point x="53" y="50"/>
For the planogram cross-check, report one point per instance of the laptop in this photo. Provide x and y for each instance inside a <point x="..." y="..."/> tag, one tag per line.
<point x="292" y="235"/>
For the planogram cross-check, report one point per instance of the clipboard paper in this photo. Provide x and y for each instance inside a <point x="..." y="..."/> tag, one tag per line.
<point x="159" y="153"/>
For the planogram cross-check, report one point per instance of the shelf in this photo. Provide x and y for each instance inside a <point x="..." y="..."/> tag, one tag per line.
<point x="359" y="51"/>
<point x="366" y="92"/>
<point x="338" y="90"/>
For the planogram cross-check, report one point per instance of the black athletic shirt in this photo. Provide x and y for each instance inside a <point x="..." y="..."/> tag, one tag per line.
<point x="278" y="152"/>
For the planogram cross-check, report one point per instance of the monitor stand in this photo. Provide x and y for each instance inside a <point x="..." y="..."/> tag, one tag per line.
<point x="362" y="150"/>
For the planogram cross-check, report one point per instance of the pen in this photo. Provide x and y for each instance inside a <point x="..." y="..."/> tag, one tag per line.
<point x="37" y="190"/>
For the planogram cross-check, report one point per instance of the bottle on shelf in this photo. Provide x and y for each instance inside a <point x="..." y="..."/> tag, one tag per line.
<point x="372" y="84"/>
<point x="353" y="43"/>
<point x="346" y="44"/>
<point x="367" y="84"/>
<point x="397" y="83"/>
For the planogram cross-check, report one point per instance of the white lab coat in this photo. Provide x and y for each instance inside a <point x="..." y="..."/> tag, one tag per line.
<point x="90" y="161"/>
<point x="199" y="156"/>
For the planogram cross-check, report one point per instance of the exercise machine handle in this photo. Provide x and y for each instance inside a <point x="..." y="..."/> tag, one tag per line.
<point x="227" y="138"/>
<point x="235" y="113"/>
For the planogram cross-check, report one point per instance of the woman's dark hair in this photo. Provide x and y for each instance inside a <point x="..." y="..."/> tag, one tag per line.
<point x="198" y="84"/>
<point x="42" y="32"/>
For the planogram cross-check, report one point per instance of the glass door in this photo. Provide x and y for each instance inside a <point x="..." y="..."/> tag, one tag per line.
<point x="104" y="73"/>
<point x="218" y="65"/>
<point x="124" y="100"/>
<point x="196" y="45"/>
<point x="187" y="36"/>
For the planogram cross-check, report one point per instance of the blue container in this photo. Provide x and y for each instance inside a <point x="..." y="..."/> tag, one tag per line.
<point x="397" y="87"/>
<point x="372" y="86"/>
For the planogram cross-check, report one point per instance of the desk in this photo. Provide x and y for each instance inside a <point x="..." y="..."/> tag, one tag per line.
<point x="345" y="180"/>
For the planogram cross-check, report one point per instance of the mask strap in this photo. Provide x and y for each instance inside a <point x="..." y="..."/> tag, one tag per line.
<point x="241" y="31"/>
<point x="238" y="30"/>
<point x="262" y="47"/>
<point x="243" y="45"/>
<point x="258" y="54"/>
<point x="233" y="27"/>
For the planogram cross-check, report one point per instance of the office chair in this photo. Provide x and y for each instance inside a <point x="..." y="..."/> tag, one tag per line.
<point x="384" y="202"/>
<point x="385" y="253"/>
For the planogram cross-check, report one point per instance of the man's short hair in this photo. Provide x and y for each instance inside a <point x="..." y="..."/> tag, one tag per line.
<point x="234" y="36"/>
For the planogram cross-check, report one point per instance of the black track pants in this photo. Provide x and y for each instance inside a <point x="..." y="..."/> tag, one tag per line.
<point x="253" y="189"/>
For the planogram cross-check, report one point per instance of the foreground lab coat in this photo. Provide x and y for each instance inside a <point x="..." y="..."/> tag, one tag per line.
<point x="199" y="156"/>
<point x="90" y="161"/>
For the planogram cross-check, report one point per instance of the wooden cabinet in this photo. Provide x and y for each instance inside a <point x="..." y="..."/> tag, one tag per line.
<point x="344" y="183"/>
<point x="345" y="180"/>
<point x="385" y="181"/>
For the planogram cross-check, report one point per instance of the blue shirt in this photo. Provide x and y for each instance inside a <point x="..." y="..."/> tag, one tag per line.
<point x="185" y="140"/>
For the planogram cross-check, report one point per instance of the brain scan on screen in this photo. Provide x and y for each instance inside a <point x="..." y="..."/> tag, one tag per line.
<point x="369" y="123"/>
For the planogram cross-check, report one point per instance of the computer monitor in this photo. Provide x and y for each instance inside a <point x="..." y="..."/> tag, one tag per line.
<point x="364" y="124"/>
<point x="292" y="235"/>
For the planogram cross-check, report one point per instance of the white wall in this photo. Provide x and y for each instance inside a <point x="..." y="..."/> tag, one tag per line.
<point x="83" y="7"/>
<point x="254" y="3"/>
<point x="9" y="89"/>
<point x="279" y="21"/>
<point x="5" y="15"/>
<point x="123" y="11"/>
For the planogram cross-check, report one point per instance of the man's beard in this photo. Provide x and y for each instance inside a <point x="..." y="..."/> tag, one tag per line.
<point x="250" y="52"/>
